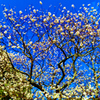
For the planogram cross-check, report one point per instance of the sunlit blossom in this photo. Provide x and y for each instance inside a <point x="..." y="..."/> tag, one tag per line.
<point x="49" y="13"/>
<point x="20" y="12"/>
<point x="41" y="2"/>
<point x="73" y="5"/>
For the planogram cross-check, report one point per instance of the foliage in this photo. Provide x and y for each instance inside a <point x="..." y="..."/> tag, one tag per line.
<point x="12" y="83"/>
<point x="58" y="54"/>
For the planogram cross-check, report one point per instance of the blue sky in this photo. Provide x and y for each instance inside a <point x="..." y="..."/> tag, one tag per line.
<point x="22" y="4"/>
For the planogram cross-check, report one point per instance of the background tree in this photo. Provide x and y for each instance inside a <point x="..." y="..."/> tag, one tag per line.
<point x="13" y="85"/>
<point x="59" y="54"/>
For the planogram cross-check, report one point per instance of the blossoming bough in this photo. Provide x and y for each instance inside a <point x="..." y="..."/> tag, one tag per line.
<point x="59" y="54"/>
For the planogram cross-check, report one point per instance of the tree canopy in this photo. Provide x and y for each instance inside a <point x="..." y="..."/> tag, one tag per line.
<point x="56" y="54"/>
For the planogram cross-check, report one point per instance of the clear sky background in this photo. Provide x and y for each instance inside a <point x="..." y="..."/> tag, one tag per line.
<point x="22" y="4"/>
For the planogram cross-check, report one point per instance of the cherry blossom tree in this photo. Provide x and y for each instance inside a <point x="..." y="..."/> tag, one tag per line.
<point x="58" y="53"/>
